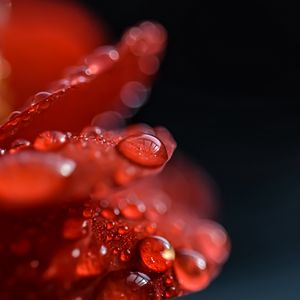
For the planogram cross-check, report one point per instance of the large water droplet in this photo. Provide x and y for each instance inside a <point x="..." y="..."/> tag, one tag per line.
<point x="145" y="150"/>
<point x="156" y="253"/>
<point x="191" y="270"/>
<point x="50" y="140"/>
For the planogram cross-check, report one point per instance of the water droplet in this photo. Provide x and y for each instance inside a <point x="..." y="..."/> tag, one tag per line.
<point x="191" y="270"/>
<point x="13" y="117"/>
<point x="101" y="60"/>
<point x="138" y="278"/>
<point x="125" y="255"/>
<point x="134" y="94"/>
<point x="108" y="214"/>
<point x="73" y="229"/>
<point x="123" y="229"/>
<point x="211" y="239"/>
<point x="18" y="145"/>
<point x="50" y="140"/>
<point x="88" y="212"/>
<point x="133" y="211"/>
<point x="38" y="97"/>
<point x="156" y="253"/>
<point x="91" y="132"/>
<point x="125" y="285"/>
<point x="145" y="150"/>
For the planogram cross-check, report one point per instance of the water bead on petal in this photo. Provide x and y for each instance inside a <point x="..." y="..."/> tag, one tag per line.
<point x="145" y="150"/>
<point x="156" y="253"/>
<point x="191" y="270"/>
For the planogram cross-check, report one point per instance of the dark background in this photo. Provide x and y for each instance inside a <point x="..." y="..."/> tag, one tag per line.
<point x="229" y="91"/>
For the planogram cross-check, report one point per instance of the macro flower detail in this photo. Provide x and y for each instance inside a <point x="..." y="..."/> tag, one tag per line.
<point x="91" y="209"/>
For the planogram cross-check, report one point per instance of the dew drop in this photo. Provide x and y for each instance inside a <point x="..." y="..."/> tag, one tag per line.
<point x="50" y="140"/>
<point x="125" y="285"/>
<point x="91" y="132"/>
<point x="145" y="150"/>
<point x="73" y="229"/>
<point x="125" y="255"/>
<point x="133" y="211"/>
<point x="123" y="230"/>
<point x="191" y="270"/>
<point x="108" y="214"/>
<point x="13" y="117"/>
<point x="38" y="97"/>
<point x="18" y="145"/>
<point x="156" y="253"/>
<point x="211" y="239"/>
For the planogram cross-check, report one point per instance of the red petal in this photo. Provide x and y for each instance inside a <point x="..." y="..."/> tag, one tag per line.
<point x="94" y="86"/>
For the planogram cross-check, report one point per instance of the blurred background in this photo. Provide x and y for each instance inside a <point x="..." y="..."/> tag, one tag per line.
<point x="229" y="91"/>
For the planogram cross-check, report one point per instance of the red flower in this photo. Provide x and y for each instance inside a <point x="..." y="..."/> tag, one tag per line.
<point x="90" y="210"/>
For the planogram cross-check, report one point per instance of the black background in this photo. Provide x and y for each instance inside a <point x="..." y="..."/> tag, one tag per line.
<point x="229" y="91"/>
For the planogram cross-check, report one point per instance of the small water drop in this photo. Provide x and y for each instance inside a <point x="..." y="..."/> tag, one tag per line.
<point x="13" y="115"/>
<point x="73" y="229"/>
<point x="91" y="132"/>
<point x="38" y="97"/>
<point x="18" y="145"/>
<point x="50" y="140"/>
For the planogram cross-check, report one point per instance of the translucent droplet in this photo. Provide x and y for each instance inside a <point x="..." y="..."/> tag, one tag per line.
<point x="38" y="97"/>
<point x="191" y="270"/>
<point x="50" y="140"/>
<point x="91" y="132"/>
<point x="73" y="229"/>
<point x="18" y="145"/>
<point x="101" y="60"/>
<point x="123" y="230"/>
<point x="145" y="150"/>
<point x="156" y="253"/>
<point x="211" y="239"/>
<point x="133" y="211"/>
<point x="125" y="285"/>
<point x="14" y="115"/>
<point x="125" y="255"/>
